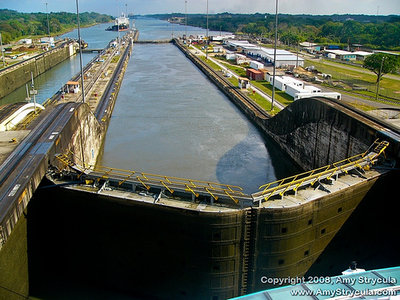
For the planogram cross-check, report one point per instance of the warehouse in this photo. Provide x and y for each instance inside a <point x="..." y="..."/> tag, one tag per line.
<point x="285" y="61"/>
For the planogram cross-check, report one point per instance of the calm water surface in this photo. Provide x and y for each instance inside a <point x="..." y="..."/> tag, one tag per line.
<point x="170" y="119"/>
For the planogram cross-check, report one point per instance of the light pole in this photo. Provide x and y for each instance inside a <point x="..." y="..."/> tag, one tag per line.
<point x="80" y="50"/>
<point x="2" y="52"/>
<point x="379" y="78"/>
<point x="186" y="16"/>
<point x="48" y="24"/>
<point x="207" y="34"/>
<point x="276" y="39"/>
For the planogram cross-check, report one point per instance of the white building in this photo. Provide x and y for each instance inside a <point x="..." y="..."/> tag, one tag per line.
<point x="332" y="95"/>
<point x="361" y="55"/>
<point x="294" y="90"/>
<point x="220" y="38"/>
<point x="229" y="55"/>
<point x="49" y="40"/>
<point x="217" y="49"/>
<point x="256" y="65"/>
<point x="26" y="41"/>
<point x="281" y="82"/>
<point x="241" y="59"/>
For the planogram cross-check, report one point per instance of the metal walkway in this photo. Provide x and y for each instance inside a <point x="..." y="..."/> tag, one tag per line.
<point x="215" y="191"/>
<point x="358" y="163"/>
<point x="120" y="177"/>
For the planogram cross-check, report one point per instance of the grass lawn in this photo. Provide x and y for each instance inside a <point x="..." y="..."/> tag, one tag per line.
<point x="280" y="96"/>
<point x="388" y="87"/>
<point x="256" y="97"/>
<point x="240" y="71"/>
<point x="210" y="63"/>
<point x="263" y="103"/>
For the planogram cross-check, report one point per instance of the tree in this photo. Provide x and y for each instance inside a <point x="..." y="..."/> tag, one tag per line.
<point x="381" y="64"/>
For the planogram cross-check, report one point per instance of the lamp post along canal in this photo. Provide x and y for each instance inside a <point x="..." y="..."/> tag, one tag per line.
<point x="2" y="51"/>
<point x="207" y="34"/>
<point x="80" y="50"/>
<point x="276" y="40"/>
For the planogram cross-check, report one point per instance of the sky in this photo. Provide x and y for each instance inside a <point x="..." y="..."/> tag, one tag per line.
<point x="112" y="7"/>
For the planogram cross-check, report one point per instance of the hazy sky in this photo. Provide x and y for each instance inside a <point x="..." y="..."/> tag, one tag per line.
<point x="370" y="7"/>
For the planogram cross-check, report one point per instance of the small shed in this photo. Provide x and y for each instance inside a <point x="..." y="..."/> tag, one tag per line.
<point x="254" y="74"/>
<point x="244" y="83"/>
<point x="72" y="87"/>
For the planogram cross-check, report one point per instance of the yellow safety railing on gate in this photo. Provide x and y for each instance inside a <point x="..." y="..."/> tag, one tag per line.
<point x="147" y="180"/>
<point x="311" y="177"/>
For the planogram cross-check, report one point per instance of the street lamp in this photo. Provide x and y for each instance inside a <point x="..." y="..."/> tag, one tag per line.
<point x="2" y="51"/>
<point x="186" y="16"/>
<point x="276" y="39"/>
<point x="379" y="78"/>
<point x="48" y="24"/>
<point x="80" y="50"/>
<point x="207" y="34"/>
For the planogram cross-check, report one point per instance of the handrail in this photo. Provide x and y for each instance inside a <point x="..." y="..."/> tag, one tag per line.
<point x="170" y="183"/>
<point x="216" y="190"/>
<point x="326" y="172"/>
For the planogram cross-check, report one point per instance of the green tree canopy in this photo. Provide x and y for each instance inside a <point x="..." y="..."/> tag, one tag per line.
<point x="14" y="25"/>
<point x="381" y="64"/>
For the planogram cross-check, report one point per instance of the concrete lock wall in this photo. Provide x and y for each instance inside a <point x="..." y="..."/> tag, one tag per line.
<point x="289" y="240"/>
<point x="316" y="134"/>
<point x="21" y="74"/>
<point x="135" y="247"/>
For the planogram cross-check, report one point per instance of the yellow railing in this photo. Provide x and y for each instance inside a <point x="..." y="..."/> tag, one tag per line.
<point x="147" y="180"/>
<point x="326" y="172"/>
<point x="215" y="190"/>
<point x="170" y="182"/>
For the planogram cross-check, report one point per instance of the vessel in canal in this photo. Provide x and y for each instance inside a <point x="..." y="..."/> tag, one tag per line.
<point x="120" y="24"/>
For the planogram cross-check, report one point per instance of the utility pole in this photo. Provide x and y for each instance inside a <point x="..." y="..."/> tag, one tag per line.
<point x="2" y="51"/>
<point x="48" y="24"/>
<point x="207" y="34"/>
<point x="276" y="40"/>
<point x="186" y="16"/>
<point x="33" y="92"/>
<point x="80" y="50"/>
<point x="379" y="78"/>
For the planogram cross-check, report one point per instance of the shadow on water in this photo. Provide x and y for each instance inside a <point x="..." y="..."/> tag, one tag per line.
<point x="250" y="163"/>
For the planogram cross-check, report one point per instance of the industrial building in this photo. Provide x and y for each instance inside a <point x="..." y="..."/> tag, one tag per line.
<point x="341" y="54"/>
<point x="283" y="58"/>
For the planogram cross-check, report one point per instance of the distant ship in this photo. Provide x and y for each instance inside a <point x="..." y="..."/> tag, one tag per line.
<point x="120" y="24"/>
